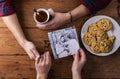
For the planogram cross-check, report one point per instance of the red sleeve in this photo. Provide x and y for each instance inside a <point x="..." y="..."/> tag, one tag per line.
<point x="6" y="7"/>
<point x="94" y="6"/>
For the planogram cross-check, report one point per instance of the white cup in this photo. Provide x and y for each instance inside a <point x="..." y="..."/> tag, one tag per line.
<point x="39" y="16"/>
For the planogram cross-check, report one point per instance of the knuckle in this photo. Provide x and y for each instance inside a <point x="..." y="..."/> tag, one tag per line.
<point x="47" y="63"/>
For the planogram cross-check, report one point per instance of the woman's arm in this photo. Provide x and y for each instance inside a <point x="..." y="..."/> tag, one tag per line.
<point x="43" y="65"/>
<point x="86" y="7"/>
<point x="63" y="18"/>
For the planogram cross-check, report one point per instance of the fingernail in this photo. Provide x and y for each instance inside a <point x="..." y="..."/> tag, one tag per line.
<point x="73" y="54"/>
<point x="40" y="56"/>
<point x="79" y="50"/>
<point x="36" y="59"/>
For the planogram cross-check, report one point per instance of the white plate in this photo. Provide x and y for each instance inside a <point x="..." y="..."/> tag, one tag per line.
<point x="115" y="31"/>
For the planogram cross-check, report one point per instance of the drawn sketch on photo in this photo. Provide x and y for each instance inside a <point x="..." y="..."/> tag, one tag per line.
<point x="64" y="42"/>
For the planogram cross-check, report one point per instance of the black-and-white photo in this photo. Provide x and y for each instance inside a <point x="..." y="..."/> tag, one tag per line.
<point x="64" y="42"/>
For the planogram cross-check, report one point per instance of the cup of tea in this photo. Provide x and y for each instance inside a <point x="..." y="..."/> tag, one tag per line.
<point x="41" y="15"/>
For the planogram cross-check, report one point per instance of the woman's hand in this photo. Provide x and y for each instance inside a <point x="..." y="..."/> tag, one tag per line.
<point x="78" y="63"/>
<point x="57" y="20"/>
<point x="43" y="64"/>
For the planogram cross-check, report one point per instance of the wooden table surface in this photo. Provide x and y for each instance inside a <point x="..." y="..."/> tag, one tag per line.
<point x="15" y="63"/>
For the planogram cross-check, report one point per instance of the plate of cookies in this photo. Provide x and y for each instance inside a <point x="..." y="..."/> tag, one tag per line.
<point x="100" y="35"/>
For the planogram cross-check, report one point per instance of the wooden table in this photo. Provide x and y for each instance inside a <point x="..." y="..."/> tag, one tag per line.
<point x="15" y="64"/>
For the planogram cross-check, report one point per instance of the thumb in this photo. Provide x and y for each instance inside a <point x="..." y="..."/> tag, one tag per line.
<point x="50" y="10"/>
<point x="76" y="58"/>
<point x="37" y="60"/>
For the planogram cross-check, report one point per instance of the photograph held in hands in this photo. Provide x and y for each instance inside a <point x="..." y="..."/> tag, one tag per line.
<point x="64" y="42"/>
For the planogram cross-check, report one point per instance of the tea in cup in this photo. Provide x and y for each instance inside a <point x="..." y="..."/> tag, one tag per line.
<point x="41" y="16"/>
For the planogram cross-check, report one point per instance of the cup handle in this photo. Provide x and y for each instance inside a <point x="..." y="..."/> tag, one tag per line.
<point x="51" y="11"/>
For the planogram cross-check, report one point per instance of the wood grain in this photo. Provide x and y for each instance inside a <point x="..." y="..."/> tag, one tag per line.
<point x="15" y="64"/>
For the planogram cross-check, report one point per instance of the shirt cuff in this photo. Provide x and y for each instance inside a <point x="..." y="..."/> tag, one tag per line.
<point x="7" y="8"/>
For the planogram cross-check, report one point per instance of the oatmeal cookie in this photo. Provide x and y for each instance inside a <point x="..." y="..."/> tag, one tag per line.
<point x="101" y="35"/>
<point x="105" y="24"/>
<point x="89" y="38"/>
<point x="105" y="45"/>
<point x="95" y="47"/>
<point x="111" y="38"/>
<point x="93" y="28"/>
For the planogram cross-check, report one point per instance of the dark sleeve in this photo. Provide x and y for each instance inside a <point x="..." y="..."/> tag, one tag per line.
<point x="94" y="6"/>
<point x="6" y="7"/>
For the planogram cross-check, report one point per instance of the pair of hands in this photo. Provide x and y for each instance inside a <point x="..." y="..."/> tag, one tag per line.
<point x="57" y="20"/>
<point x="43" y="64"/>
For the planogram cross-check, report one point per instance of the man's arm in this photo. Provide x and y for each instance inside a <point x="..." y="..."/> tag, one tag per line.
<point x="8" y="15"/>
<point x="13" y="25"/>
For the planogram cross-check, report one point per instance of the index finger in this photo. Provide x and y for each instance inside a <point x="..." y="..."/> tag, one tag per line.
<point x="37" y="60"/>
<point x="83" y="56"/>
<point x="41" y="26"/>
<point x="48" y="57"/>
<point x="36" y="53"/>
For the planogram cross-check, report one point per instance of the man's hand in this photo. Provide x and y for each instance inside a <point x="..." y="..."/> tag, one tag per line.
<point x="31" y="50"/>
<point x="43" y="64"/>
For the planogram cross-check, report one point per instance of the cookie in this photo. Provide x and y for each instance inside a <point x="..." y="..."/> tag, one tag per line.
<point x="97" y="38"/>
<point x="89" y="38"/>
<point x="111" y="38"/>
<point x="105" y="45"/>
<point x="101" y="35"/>
<point x="95" y="47"/>
<point x="93" y="28"/>
<point x="104" y="24"/>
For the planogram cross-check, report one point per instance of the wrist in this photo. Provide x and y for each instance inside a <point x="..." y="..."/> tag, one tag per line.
<point x="22" y="42"/>
<point x="41" y="76"/>
<point x="68" y="17"/>
<point x="76" y="70"/>
<point x="71" y="17"/>
<point x="76" y="75"/>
